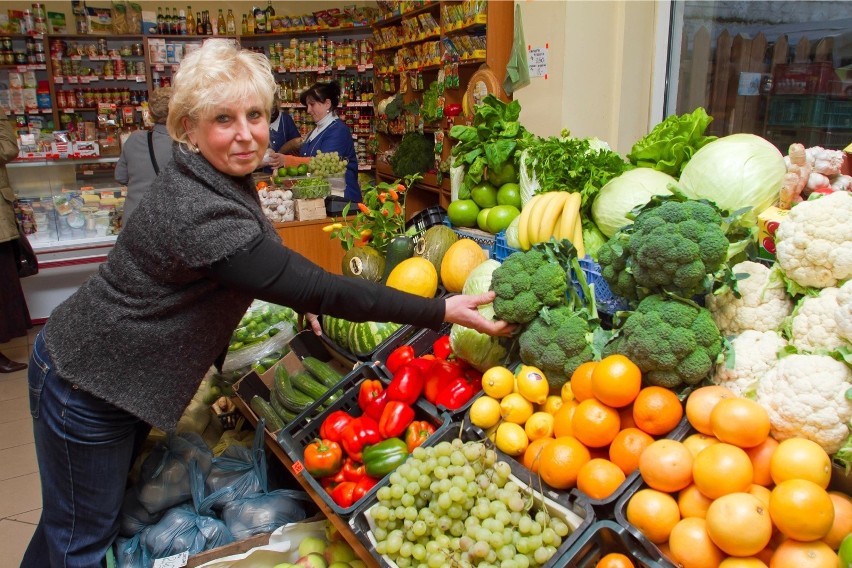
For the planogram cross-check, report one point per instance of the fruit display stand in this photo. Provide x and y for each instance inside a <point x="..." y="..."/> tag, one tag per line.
<point x="308" y="239"/>
<point x="606" y="537"/>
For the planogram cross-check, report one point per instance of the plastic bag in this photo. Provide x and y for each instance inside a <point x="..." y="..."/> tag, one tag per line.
<point x="235" y="437"/>
<point x="164" y="479"/>
<point x="134" y="518"/>
<point x="131" y="552"/>
<point x="196" y="417"/>
<point x="456" y="179"/>
<point x="237" y="473"/>
<point x="264" y="512"/>
<point x="260" y="338"/>
<point x="529" y="184"/>
<point x="188" y="528"/>
<point x="283" y="547"/>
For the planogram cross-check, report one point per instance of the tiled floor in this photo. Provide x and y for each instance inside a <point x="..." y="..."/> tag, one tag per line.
<point x="20" y="491"/>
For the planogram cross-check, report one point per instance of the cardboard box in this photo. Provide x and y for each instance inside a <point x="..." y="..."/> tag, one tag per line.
<point x="310" y="209"/>
<point x="767" y="224"/>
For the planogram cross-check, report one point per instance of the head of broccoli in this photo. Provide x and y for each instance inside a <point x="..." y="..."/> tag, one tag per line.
<point x="558" y="341"/>
<point x="525" y="283"/>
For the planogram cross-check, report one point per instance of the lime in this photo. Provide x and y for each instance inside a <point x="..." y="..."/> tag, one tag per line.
<point x="484" y="194"/>
<point x="504" y="174"/>
<point x="501" y="217"/>
<point x="292" y="171"/>
<point x="463" y="212"/>
<point x="845" y="552"/>
<point x="509" y="194"/>
<point x="482" y="219"/>
<point x="282" y="172"/>
<point x="277" y="180"/>
<point x="302" y="169"/>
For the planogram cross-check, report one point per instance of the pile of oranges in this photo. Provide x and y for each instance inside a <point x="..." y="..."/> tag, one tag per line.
<point x="730" y="495"/>
<point x="595" y="430"/>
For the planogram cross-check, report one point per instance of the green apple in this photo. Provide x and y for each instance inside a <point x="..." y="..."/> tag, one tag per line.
<point x="312" y="544"/>
<point x="358" y="563"/>
<point x="339" y="551"/>
<point x="482" y="219"/>
<point x="312" y="560"/>
<point x="331" y="532"/>
<point x="282" y="172"/>
<point x="339" y="565"/>
<point x="286" y="565"/>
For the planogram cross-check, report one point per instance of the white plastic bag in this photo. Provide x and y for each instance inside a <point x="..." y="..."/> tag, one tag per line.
<point x="283" y="547"/>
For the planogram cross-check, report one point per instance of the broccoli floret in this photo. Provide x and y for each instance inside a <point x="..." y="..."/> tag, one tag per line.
<point x="674" y="343"/>
<point x="525" y="283"/>
<point x="674" y="246"/>
<point x="612" y="257"/>
<point x="557" y="342"/>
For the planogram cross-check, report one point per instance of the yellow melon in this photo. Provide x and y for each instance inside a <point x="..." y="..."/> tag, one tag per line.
<point x="459" y="261"/>
<point x="415" y="275"/>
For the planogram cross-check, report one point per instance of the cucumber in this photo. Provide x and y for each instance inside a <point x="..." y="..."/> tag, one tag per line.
<point x="264" y="410"/>
<point x="304" y="382"/>
<point x="399" y="248"/>
<point x="322" y="371"/>
<point x="291" y="399"/>
<point x="285" y="415"/>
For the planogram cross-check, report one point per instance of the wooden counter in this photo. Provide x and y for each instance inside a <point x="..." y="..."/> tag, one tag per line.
<point x="308" y="239"/>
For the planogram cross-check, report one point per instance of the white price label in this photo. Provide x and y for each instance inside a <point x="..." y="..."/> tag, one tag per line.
<point x="176" y="561"/>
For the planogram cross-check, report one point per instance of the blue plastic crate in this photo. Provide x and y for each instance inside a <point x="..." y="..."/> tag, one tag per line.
<point x="483" y="239"/>
<point x="501" y="249"/>
<point x="607" y="302"/>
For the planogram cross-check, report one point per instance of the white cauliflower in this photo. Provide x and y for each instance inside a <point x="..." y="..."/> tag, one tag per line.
<point x="814" y="241"/>
<point x="814" y="323"/>
<point x="843" y="315"/>
<point x="805" y="396"/>
<point x="762" y="306"/>
<point x="755" y="353"/>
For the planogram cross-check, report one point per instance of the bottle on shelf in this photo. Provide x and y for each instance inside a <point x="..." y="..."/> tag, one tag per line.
<point x="259" y="21"/>
<point x="182" y="23"/>
<point x="244" y="26"/>
<point x="199" y="24"/>
<point x="161" y="21"/>
<point x="250" y="22"/>
<point x="169" y="22"/>
<point x="208" y="23"/>
<point x="190" y="21"/>
<point x="270" y="14"/>
<point x="230" y="23"/>
<point x="221" y="28"/>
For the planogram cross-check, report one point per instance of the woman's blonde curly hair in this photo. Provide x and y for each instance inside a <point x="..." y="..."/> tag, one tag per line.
<point x="219" y="72"/>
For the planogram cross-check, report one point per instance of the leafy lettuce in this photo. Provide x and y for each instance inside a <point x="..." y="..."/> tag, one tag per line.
<point x="670" y="144"/>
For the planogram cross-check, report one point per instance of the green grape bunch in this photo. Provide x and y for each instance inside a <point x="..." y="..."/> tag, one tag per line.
<point x="454" y="504"/>
<point x="327" y="164"/>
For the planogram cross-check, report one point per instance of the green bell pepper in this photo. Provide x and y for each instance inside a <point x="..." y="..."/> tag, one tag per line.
<point x="382" y="458"/>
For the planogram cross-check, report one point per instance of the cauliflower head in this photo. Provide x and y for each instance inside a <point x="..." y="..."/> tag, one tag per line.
<point x="525" y="283"/>
<point x="843" y="315"/>
<point x="814" y="241"/>
<point x="755" y="354"/>
<point x="814" y="325"/>
<point x="762" y="306"/>
<point x="557" y="342"/>
<point x="805" y="396"/>
<point x="672" y="342"/>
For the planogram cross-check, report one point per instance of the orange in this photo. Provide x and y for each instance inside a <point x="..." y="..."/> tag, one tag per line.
<point x="692" y="502"/>
<point x="740" y="421"/>
<point x="801" y="509"/>
<point x="627" y="446"/>
<point x="761" y="456"/>
<point x="599" y="478"/>
<point x="654" y="513"/>
<point x="562" y="419"/>
<point x="560" y="462"/>
<point x="666" y="465"/>
<point x="532" y="454"/>
<point x="615" y="560"/>
<point x="657" y="410"/>
<point x="697" y="442"/>
<point x="626" y="415"/>
<point x="739" y="524"/>
<point x="795" y="554"/>
<point x="581" y="381"/>
<point x="760" y="492"/>
<point x="842" y="519"/>
<point x="798" y="458"/>
<point x="616" y="381"/>
<point x="721" y="469"/>
<point x="750" y="562"/>
<point x="691" y="546"/>
<point x="594" y="423"/>
<point x="700" y="404"/>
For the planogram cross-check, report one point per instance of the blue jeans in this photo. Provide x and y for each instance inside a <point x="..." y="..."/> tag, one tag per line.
<point x="85" y="447"/>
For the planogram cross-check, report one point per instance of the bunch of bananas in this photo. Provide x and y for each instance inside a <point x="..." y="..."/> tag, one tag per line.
<point x="552" y="214"/>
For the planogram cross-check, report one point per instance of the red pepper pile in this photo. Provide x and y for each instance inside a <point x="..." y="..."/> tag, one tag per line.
<point x="442" y="378"/>
<point x="386" y="431"/>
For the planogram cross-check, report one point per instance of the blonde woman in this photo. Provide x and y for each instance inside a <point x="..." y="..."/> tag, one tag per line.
<point x="190" y="260"/>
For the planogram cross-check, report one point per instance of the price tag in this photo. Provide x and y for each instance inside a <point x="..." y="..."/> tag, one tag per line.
<point x="68" y="110"/>
<point x="73" y="79"/>
<point x="121" y="77"/>
<point x="159" y="67"/>
<point x="341" y="67"/>
<point x="58" y="80"/>
<point x="76" y="58"/>
<point x="37" y="67"/>
<point x="298" y="468"/>
<point x="140" y="78"/>
<point x="21" y="68"/>
<point x="361" y="68"/>
<point x="85" y="80"/>
<point x="369" y="66"/>
<point x="176" y="561"/>
<point x="104" y="194"/>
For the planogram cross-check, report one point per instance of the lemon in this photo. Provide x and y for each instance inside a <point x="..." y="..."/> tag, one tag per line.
<point x="552" y="404"/>
<point x="485" y="412"/>
<point x="515" y="408"/>
<point x="539" y="425"/>
<point x="567" y="393"/>
<point x="532" y="384"/>
<point x="497" y="382"/>
<point x="511" y="439"/>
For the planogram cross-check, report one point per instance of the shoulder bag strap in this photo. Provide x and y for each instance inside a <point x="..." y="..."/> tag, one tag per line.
<point x="151" y="152"/>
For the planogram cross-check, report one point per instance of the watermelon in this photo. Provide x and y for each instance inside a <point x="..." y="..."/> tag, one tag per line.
<point x="363" y="262"/>
<point x="337" y="330"/>
<point x="364" y="338"/>
<point x="434" y="244"/>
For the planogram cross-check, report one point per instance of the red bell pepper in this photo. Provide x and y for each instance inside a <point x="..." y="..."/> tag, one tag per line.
<point x="406" y="385"/>
<point x="331" y="481"/>
<point x="368" y="391"/>
<point x="323" y="458"/>
<point x="352" y="470"/>
<point x="334" y="424"/>
<point x="417" y="433"/>
<point x="343" y="494"/>
<point x="441" y="347"/>
<point x="457" y="392"/>
<point x="360" y="433"/>
<point x="376" y="406"/>
<point x="438" y="377"/>
<point x="423" y="362"/>
<point x="395" y="419"/>
<point x="362" y="487"/>
<point x="399" y="357"/>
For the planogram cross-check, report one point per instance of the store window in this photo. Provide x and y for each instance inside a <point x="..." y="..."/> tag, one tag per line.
<point x="779" y="69"/>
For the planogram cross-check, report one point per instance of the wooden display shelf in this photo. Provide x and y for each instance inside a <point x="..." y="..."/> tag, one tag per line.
<point x="340" y="524"/>
<point x="308" y="239"/>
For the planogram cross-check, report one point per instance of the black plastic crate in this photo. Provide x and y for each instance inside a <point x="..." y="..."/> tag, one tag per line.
<point x="566" y="505"/>
<point x="605" y="537"/>
<point x="297" y="435"/>
<point x="621" y="518"/>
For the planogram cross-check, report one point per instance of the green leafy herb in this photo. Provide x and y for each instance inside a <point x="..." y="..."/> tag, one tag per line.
<point x="670" y="144"/>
